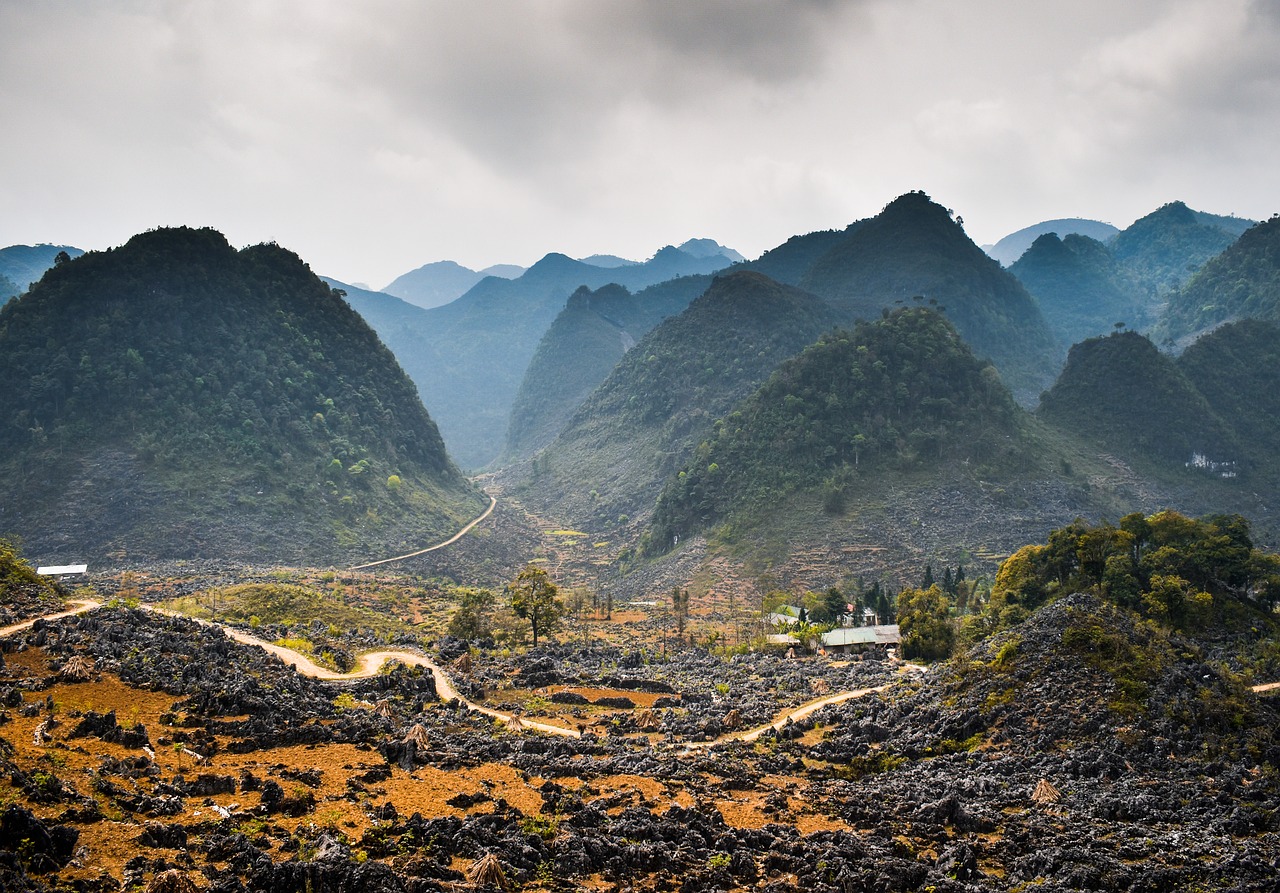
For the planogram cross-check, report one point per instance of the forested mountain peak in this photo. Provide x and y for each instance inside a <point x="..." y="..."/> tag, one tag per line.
<point x="1164" y="248"/>
<point x="915" y="248"/>
<point x="1014" y="245"/>
<point x="902" y="391"/>
<point x="1120" y="391"/>
<point x="1081" y="289"/>
<point x="231" y="398"/>
<point x="1243" y="282"/>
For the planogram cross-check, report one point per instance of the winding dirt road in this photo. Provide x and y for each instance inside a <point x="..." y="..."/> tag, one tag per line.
<point x="372" y="663"/>
<point x="493" y="501"/>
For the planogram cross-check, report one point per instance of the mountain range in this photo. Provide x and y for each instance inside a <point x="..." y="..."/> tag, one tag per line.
<point x="605" y="393"/>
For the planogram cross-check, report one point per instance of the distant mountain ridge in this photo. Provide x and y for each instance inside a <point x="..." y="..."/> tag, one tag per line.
<point x="662" y="397"/>
<point x="1166" y="247"/>
<point x="436" y="283"/>
<point x="583" y="344"/>
<point x="468" y="357"/>
<point x="25" y="264"/>
<point x="1013" y="246"/>
<point x="207" y="402"/>
<point x="1081" y="288"/>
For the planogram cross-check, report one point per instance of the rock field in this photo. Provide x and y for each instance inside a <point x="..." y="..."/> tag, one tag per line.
<point x="1078" y="752"/>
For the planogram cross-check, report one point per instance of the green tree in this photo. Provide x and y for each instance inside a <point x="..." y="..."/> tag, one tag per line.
<point x="473" y="617"/>
<point x="536" y="599"/>
<point x="924" y="619"/>
<point x="680" y="606"/>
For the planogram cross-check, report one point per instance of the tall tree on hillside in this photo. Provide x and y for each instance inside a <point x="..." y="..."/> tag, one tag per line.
<point x="536" y="599"/>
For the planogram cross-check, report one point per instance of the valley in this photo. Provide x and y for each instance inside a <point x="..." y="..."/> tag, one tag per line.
<point x="590" y="631"/>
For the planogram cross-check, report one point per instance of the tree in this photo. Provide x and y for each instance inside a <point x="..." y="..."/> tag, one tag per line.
<point x="536" y="599"/>
<point x="473" y="617"/>
<point x="925" y="622"/>
<point x="680" y="605"/>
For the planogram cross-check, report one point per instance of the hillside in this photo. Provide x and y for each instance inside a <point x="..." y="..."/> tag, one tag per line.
<point x="176" y="398"/>
<point x="1243" y="282"/>
<point x="662" y="397"/>
<point x="1163" y="249"/>
<point x="1121" y="392"/>
<point x="914" y="249"/>
<point x="468" y="357"/>
<point x="1081" y="289"/>
<point x="585" y="341"/>
<point x="1013" y="246"/>
<point x="902" y="392"/>
<point x="789" y="262"/>
<point x="1237" y="369"/>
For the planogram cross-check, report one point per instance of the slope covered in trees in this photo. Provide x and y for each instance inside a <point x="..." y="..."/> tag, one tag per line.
<point x="663" y="396"/>
<point x="1122" y="393"/>
<point x="177" y="397"/>
<point x="903" y="391"/>
<point x="1081" y="289"/>
<point x="585" y="341"/>
<point x="1163" y="249"/>
<point x="1243" y="282"/>
<point x="915" y="248"/>
<point x="1237" y="369"/>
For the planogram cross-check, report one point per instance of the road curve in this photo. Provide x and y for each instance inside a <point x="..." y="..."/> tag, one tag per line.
<point x="493" y="501"/>
<point x="82" y="606"/>
<point x="372" y="662"/>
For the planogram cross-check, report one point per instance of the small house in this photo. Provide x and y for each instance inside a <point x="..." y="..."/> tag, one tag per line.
<point x="850" y="639"/>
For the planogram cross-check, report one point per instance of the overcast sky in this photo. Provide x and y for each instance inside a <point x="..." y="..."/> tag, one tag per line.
<point x="372" y="137"/>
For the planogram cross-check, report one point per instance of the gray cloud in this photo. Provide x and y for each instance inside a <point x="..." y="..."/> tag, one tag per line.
<point x="374" y="137"/>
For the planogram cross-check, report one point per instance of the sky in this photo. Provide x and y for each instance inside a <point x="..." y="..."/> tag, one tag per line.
<point x="377" y="136"/>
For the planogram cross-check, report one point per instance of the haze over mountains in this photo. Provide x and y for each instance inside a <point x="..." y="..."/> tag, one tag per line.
<point x="435" y="284"/>
<point x="596" y="387"/>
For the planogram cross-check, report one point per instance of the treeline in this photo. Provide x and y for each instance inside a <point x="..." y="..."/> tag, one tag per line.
<point x="1200" y="577"/>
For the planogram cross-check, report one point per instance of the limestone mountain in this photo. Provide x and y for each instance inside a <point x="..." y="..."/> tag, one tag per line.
<point x="590" y="336"/>
<point x="1163" y="249"/>
<point x="1013" y="246"/>
<point x="1121" y="392"/>
<point x="915" y="249"/>
<point x="1243" y="282"/>
<point x="709" y="248"/>
<point x="177" y="398"/>
<point x="586" y="340"/>
<point x="1081" y="289"/>
<point x="661" y="399"/>
<point x="1236" y="367"/>
<point x="904" y="391"/>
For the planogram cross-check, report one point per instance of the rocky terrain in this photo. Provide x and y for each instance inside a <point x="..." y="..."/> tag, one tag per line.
<point x="1080" y="750"/>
